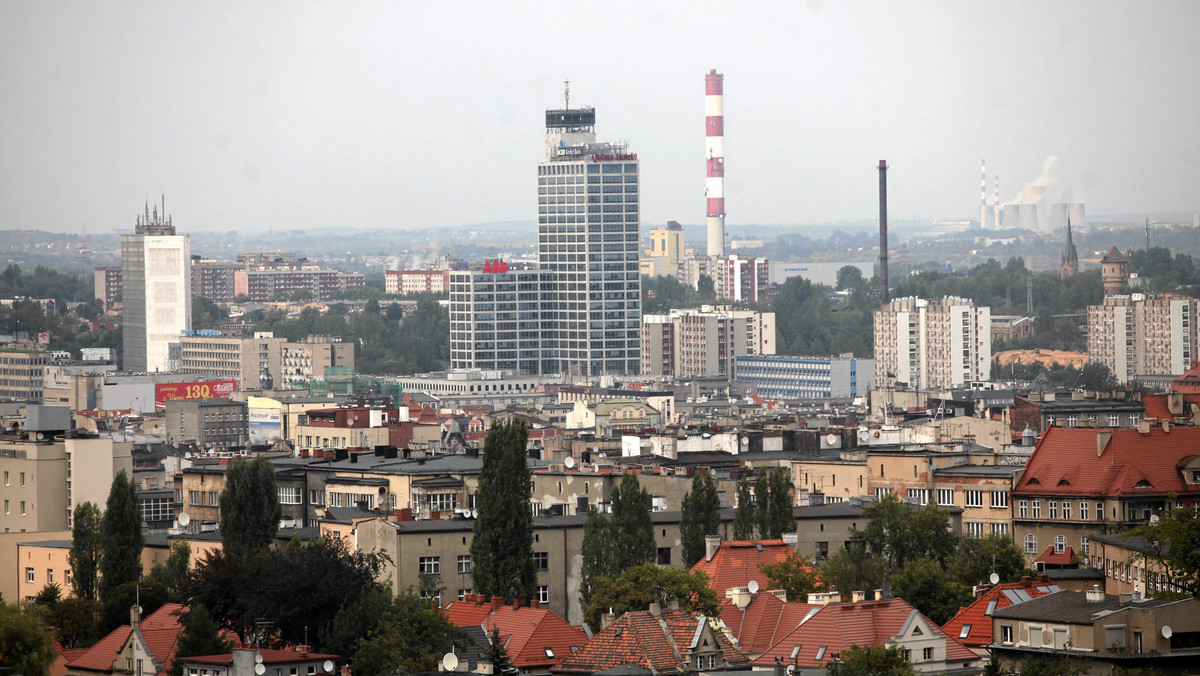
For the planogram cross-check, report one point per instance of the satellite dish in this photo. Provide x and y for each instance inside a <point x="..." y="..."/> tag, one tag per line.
<point x="449" y="662"/>
<point x="745" y="441"/>
<point x="260" y="669"/>
<point x="569" y="462"/>
<point x="328" y="665"/>
<point x="831" y="439"/>
<point x="791" y="668"/>
<point x="753" y="586"/>
<point x="184" y="518"/>
<point x="863" y="435"/>
<point x="994" y="578"/>
<point x="1153" y="518"/>
<point x="474" y="513"/>
<point x="887" y="591"/>
<point x="1166" y="631"/>
<point x="258" y="658"/>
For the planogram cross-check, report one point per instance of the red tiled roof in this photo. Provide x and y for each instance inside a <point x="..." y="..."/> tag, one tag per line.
<point x="269" y="656"/>
<point x="1067" y="462"/>
<point x="765" y="620"/>
<point x="1157" y="407"/>
<point x="1048" y="557"/>
<point x="837" y="626"/>
<point x="976" y="614"/>
<point x="527" y="632"/>
<point x="737" y="562"/>
<point x="1189" y="382"/>
<point x="661" y="643"/>
<point x="160" y="630"/>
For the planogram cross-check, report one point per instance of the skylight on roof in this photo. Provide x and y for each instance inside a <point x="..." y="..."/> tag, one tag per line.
<point x="992" y="603"/>
<point x="795" y="651"/>
<point x="549" y="651"/>
<point x="1064" y="482"/>
<point x="966" y="630"/>
<point x="1142" y="484"/>
<point x="820" y="654"/>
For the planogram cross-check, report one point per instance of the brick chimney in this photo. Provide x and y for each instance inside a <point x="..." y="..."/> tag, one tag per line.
<point x="497" y="601"/>
<point x="135" y="616"/>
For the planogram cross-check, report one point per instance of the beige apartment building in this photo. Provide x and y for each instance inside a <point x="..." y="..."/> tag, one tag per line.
<point x="263" y="361"/>
<point x="22" y="373"/>
<point x="1144" y="335"/>
<point x="934" y="343"/>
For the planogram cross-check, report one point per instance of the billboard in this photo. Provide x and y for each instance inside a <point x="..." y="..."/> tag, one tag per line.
<point x="209" y="389"/>
<point x="266" y="425"/>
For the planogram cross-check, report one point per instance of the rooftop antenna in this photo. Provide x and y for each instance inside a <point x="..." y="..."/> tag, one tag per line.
<point x="566" y="94"/>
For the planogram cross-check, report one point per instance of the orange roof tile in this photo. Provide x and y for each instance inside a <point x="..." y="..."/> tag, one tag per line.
<point x="737" y="562"/>
<point x="660" y="643"/>
<point x="1050" y="558"/>
<point x="527" y="632"/>
<point x="160" y="630"/>
<point x="1189" y="382"/>
<point x="765" y="620"/>
<point x="972" y="626"/>
<point x="1158" y="408"/>
<point x="1067" y="462"/>
<point x="837" y="626"/>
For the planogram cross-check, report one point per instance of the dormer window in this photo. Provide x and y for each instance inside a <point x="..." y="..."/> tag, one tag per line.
<point x="1064" y="482"/>
<point x="1034" y="482"/>
<point x="1142" y="484"/>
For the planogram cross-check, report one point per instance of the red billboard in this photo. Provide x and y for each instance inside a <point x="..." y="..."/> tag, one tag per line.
<point x="209" y="389"/>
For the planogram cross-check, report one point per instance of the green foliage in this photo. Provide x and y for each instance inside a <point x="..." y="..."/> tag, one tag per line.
<point x="807" y="323"/>
<point x="207" y="313"/>
<point x="201" y="635"/>
<point x="121" y="537"/>
<point x="706" y="288"/>
<point x="849" y="277"/>
<point x="775" y="514"/>
<point x="701" y="516"/>
<point x="356" y="617"/>
<point x="44" y="283"/>
<point x="795" y="575"/>
<point x="876" y="660"/>
<point x="927" y="587"/>
<point x="744" y="514"/>
<point x="75" y="621"/>
<point x="662" y="294"/>
<point x="1051" y="665"/>
<point x="973" y="559"/>
<point x="172" y="573"/>
<point x="853" y="568"/>
<point x="638" y="587"/>
<point x="115" y="611"/>
<point x="411" y="635"/>
<point x="598" y="556"/>
<point x="633" y="532"/>
<point x="26" y="646"/>
<point x="86" y="541"/>
<point x="497" y="655"/>
<point x="900" y="533"/>
<point x="48" y="596"/>
<point x="250" y="510"/>
<point x="219" y="583"/>
<point x="502" y="545"/>
<point x="1172" y="543"/>
<point x="1093" y="376"/>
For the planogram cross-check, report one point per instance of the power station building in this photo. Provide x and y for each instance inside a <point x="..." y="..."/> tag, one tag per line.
<point x="944" y="342"/>
<point x="156" y="280"/>
<point x="579" y="311"/>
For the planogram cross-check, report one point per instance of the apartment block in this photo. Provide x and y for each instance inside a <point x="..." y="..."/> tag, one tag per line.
<point x="1139" y="336"/>
<point x="404" y="282"/>
<point x="23" y="373"/>
<point x="943" y="342"/>
<point x="262" y="361"/>
<point x="704" y="342"/>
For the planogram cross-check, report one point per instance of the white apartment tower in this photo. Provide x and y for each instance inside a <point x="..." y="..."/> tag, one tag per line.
<point x="157" y="290"/>
<point x="587" y="281"/>
<point x="945" y="342"/>
<point x="1139" y="335"/>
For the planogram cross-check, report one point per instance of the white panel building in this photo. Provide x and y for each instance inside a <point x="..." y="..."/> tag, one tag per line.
<point x="1144" y="335"/>
<point x="945" y="342"/>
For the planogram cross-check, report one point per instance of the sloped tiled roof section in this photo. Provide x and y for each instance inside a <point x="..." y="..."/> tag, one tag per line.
<point x="533" y="637"/>
<point x="737" y="562"/>
<point x="972" y="626"/>
<point x="764" y="621"/>
<point x="1089" y="462"/>
<point x="160" y="631"/>
<point x="658" y="643"/>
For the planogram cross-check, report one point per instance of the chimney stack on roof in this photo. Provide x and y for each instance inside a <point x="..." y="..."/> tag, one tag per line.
<point x="711" y="544"/>
<point x="1095" y="594"/>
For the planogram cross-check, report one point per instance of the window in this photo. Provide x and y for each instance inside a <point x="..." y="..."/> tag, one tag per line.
<point x="966" y="631"/>
<point x="927" y="654"/>
<point x="1023" y="508"/>
<point x="543" y="593"/>
<point x="6" y="507"/>
<point x="822" y="551"/>
<point x="973" y="528"/>
<point x="6" y="477"/>
<point x="664" y="556"/>
<point x="1083" y="510"/>
<point x="1072" y="420"/>
<point x="882" y="492"/>
<point x="1083" y="544"/>
<point x="1114" y="420"/>
<point x="1060" y="544"/>
<point x="22" y="479"/>
<point x="49" y="576"/>
<point x="999" y="529"/>
<point x="945" y="496"/>
<point x="67" y="576"/>
<point x="1037" y="509"/>
<point x="999" y="500"/>
<point x="314" y="497"/>
<point x="431" y="565"/>
<point x="1066" y="510"/>
<point x="464" y="564"/>
<point x="462" y="593"/>
<point x="22" y="508"/>
<point x="712" y="661"/>
<point x="541" y="561"/>
<point x="29" y="575"/>
<point x="1006" y="634"/>
<point x="549" y="651"/>
<point x="1100" y="511"/>
<point x="289" y="495"/>
<point x="919" y="496"/>
<point x="1049" y="421"/>
<point x="1133" y="419"/>
<point x="1031" y="544"/>
<point x="1053" y="509"/>
<point x="973" y="498"/>
<point x="820" y="654"/>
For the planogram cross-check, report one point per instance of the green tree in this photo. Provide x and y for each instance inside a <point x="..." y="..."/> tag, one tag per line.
<point x="701" y="516"/>
<point x="1171" y="542"/>
<point x="48" y="596"/>
<point x="250" y="509"/>
<point x="121" y="537"/>
<point x="502" y="546"/>
<point x="207" y="314"/>
<point x="497" y="654"/>
<point x="75" y="622"/>
<point x="779" y="517"/>
<point x="853" y="568"/>
<point x="638" y="587"/>
<point x="172" y="573"/>
<point x="899" y="532"/>
<point x="926" y="586"/>
<point x="1051" y="665"/>
<point x="849" y="277"/>
<point x="598" y="556"/>
<point x="795" y="575"/>
<point x="633" y="532"/>
<point x="26" y="646"/>
<point x="976" y="558"/>
<point x="201" y="635"/>
<point x="358" y="616"/>
<point x="411" y="636"/>
<point x="86" y="540"/>
<point x="875" y="660"/>
<point x="114" y="612"/>
<point x="706" y="289"/>
<point x="744" y="514"/>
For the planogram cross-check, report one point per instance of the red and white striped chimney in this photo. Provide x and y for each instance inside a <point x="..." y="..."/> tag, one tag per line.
<point x="714" y="141"/>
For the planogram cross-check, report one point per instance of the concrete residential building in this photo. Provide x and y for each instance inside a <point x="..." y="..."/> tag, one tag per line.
<point x="742" y="279"/>
<point x="262" y="285"/>
<point x="944" y="342"/>
<point x="214" y="280"/>
<point x="210" y="423"/>
<point x="579" y="311"/>
<point x="23" y="373"/>
<point x="786" y="377"/>
<point x="156" y="291"/>
<point x="665" y="254"/>
<point x="262" y="361"/>
<point x="1138" y="335"/>
<point x="704" y="342"/>
<point x="404" y="282"/>
<point x="108" y="286"/>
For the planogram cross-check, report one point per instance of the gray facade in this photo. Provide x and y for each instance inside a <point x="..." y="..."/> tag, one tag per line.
<point x="787" y="377"/>
<point x="209" y="423"/>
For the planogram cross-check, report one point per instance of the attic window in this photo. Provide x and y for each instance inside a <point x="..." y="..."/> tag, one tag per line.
<point x="917" y="631"/>
<point x="619" y="631"/>
<point x="1034" y="481"/>
<point x="820" y="654"/>
<point x="1064" y="482"/>
<point x="574" y="649"/>
<point x="758" y="546"/>
<point x="549" y="651"/>
<point x="795" y="651"/>
<point x="1142" y="484"/>
<point x="965" y="631"/>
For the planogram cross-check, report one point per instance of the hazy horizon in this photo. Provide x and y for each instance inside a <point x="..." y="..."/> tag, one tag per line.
<point x="274" y="115"/>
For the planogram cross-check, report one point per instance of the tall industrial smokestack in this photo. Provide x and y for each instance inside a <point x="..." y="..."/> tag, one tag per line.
<point x="983" y="194"/>
<point x="883" y="245"/>
<point x="714" y="142"/>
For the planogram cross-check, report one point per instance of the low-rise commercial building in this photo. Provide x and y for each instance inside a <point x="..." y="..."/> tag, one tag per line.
<point x="788" y="377"/>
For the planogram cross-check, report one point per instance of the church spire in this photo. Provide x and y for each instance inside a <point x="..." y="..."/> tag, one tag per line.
<point x="1070" y="257"/>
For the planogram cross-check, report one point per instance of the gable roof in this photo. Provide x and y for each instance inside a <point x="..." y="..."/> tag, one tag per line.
<point x="1051" y="558"/>
<point x="660" y="643"/>
<point x="1158" y="406"/>
<point x="837" y="626"/>
<point x="159" y="631"/>
<point x="533" y="637"/>
<point x="1128" y="457"/>
<point x="1189" y="381"/>
<point x="765" y="620"/>
<point x="1114" y="255"/>
<point x="737" y="562"/>
<point x="972" y="626"/>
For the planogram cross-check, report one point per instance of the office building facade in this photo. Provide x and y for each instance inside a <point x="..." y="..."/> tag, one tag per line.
<point x="788" y="377"/>
<point x="943" y="342"/>
<point x="156" y="291"/>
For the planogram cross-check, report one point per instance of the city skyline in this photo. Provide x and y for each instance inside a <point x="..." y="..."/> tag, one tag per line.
<point x="305" y="115"/>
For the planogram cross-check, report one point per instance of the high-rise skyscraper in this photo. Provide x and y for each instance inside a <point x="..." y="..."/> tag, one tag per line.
<point x="156" y="290"/>
<point x="588" y="284"/>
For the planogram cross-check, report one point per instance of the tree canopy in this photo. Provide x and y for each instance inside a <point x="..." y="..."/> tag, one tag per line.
<point x="795" y="575"/>
<point x="250" y="510"/>
<point x="26" y="645"/>
<point x="632" y="530"/>
<point x="638" y="587"/>
<point x="701" y="516"/>
<point x="745" y="512"/>
<point x="86" y="544"/>
<point x="899" y="533"/>
<point x="502" y="542"/>
<point x="121" y="537"/>
<point x="599" y="560"/>
<point x="1172" y="542"/>
<point x="876" y="660"/>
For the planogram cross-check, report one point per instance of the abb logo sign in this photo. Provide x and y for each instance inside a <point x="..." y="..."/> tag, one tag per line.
<point x="495" y="266"/>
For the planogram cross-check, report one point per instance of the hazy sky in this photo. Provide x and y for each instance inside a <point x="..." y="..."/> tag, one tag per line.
<point x="251" y="115"/>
